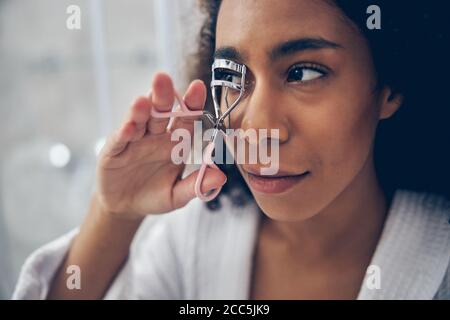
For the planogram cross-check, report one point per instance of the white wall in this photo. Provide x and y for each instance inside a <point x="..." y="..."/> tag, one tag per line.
<point x="71" y="87"/>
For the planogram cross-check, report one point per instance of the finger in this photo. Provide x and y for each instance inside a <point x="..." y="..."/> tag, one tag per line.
<point x="195" y="99"/>
<point x="162" y="99"/>
<point x="139" y="114"/>
<point x="195" y="96"/>
<point x="117" y="142"/>
<point x="184" y="190"/>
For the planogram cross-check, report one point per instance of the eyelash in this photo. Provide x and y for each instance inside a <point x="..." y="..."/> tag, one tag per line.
<point x="304" y="65"/>
<point x="308" y="66"/>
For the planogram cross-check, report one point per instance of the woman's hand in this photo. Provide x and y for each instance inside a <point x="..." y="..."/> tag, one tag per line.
<point x="135" y="173"/>
<point x="135" y="177"/>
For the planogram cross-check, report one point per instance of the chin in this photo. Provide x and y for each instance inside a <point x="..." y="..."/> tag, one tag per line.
<point x="284" y="212"/>
<point x="291" y="206"/>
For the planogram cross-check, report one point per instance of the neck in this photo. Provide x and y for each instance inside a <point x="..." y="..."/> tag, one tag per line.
<point x="350" y="225"/>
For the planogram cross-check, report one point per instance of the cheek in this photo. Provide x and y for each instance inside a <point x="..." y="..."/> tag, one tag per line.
<point x="340" y="133"/>
<point x="345" y="117"/>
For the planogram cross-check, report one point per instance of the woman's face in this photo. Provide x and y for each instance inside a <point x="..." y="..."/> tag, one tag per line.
<point x="311" y="76"/>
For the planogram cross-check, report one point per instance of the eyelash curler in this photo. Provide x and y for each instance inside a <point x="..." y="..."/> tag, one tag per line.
<point x="228" y="75"/>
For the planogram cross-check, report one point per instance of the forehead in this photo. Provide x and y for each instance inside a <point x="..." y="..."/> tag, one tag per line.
<point x="251" y="24"/>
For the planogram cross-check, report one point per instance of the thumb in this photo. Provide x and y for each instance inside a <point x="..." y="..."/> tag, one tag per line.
<point x="184" y="191"/>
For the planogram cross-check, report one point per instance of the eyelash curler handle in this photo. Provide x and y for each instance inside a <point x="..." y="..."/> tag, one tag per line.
<point x="207" y="162"/>
<point x="207" y="155"/>
<point x="184" y="112"/>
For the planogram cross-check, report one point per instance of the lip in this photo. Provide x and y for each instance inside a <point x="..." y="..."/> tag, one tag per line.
<point x="273" y="184"/>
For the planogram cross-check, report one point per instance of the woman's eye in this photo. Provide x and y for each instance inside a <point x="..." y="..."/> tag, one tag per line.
<point x="304" y="74"/>
<point x="228" y="76"/>
<point x="232" y="78"/>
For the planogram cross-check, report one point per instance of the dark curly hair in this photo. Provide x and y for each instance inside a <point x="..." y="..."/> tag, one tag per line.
<point x="411" y="56"/>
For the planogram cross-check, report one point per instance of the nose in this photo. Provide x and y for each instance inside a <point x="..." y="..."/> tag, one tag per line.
<point x="262" y="110"/>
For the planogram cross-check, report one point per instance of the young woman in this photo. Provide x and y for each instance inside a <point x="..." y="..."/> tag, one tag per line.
<point x="341" y="229"/>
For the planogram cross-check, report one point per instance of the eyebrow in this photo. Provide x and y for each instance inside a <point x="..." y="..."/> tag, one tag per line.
<point x="229" y="53"/>
<point x="303" y="44"/>
<point x="281" y="50"/>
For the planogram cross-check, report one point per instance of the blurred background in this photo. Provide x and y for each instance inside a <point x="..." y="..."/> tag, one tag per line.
<point x="62" y="91"/>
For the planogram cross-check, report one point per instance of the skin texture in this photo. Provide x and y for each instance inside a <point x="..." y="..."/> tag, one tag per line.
<point x="318" y="237"/>
<point x="327" y="127"/>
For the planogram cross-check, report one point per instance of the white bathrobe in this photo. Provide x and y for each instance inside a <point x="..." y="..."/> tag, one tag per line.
<point x="194" y="253"/>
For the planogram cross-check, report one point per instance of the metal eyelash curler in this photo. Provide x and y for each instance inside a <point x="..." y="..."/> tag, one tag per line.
<point x="225" y="74"/>
<point x="229" y="75"/>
